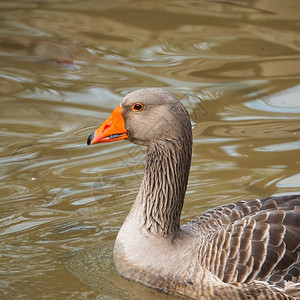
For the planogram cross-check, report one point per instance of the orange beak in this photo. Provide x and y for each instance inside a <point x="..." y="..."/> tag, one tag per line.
<point x="113" y="129"/>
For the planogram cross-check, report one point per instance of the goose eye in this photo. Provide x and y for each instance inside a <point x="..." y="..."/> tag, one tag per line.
<point x="137" y="106"/>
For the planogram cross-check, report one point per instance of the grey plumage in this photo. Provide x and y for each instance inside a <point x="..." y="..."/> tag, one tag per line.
<point x="259" y="239"/>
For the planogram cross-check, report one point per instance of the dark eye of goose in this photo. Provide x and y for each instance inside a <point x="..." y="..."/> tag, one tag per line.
<point x="137" y="106"/>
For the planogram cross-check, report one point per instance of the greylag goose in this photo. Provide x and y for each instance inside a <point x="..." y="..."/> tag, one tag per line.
<point x="245" y="250"/>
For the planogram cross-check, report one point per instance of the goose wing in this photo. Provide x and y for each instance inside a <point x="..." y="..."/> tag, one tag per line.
<point x="252" y="240"/>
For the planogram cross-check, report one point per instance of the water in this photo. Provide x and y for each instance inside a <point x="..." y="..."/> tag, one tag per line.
<point x="64" y="65"/>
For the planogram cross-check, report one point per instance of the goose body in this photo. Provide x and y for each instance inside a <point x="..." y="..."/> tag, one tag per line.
<point x="245" y="250"/>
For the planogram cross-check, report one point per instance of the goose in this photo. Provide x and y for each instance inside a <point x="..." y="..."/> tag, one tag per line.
<point x="244" y="250"/>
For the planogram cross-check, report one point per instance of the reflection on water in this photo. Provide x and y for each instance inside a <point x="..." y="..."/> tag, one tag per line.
<point x="66" y="65"/>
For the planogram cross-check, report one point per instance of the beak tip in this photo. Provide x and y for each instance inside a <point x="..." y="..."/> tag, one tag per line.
<point x="90" y="138"/>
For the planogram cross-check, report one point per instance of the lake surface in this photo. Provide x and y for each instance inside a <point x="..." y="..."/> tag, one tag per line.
<point x="64" y="65"/>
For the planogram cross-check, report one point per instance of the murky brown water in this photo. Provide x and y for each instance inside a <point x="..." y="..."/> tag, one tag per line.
<point x="64" y="65"/>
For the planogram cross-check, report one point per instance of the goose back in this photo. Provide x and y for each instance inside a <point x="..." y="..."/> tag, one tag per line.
<point x="252" y="240"/>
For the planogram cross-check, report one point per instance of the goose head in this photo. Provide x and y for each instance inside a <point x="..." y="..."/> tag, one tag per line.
<point x="144" y="116"/>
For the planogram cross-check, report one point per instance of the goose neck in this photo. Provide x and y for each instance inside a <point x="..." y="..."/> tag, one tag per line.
<point x="163" y="188"/>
